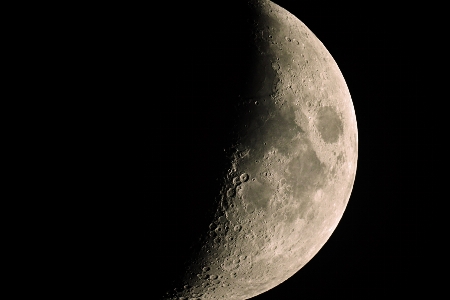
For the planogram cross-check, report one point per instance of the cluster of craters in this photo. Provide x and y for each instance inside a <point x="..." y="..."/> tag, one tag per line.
<point x="231" y="192"/>
<point x="221" y="256"/>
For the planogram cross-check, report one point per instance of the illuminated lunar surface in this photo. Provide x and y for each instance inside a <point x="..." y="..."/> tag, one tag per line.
<point x="291" y="166"/>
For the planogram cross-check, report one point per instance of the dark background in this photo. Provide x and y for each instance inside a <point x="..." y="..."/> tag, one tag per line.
<point x="118" y="144"/>
<point x="150" y="82"/>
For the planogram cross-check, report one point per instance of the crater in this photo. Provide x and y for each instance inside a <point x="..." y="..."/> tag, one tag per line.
<point x="329" y="124"/>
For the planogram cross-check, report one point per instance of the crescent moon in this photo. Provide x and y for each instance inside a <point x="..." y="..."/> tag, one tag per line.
<point x="291" y="165"/>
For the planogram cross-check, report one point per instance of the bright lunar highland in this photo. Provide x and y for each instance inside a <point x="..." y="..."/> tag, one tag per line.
<point x="291" y="165"/>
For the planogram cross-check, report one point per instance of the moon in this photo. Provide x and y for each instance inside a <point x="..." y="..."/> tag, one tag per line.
<point x="289" y="162"/>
